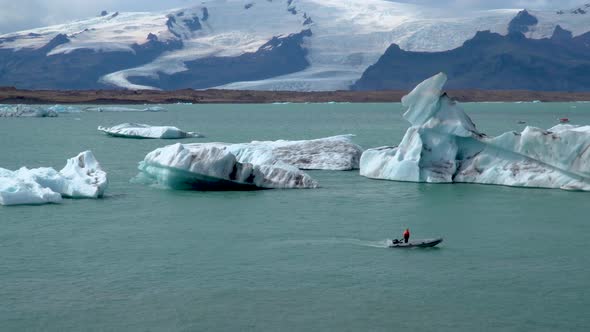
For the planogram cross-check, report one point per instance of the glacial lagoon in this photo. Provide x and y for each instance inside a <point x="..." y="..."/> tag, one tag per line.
<point x="146" y="258"/>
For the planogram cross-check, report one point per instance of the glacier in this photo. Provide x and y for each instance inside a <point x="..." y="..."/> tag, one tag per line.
<point x="347" y="36"/>
<point x="137" y="130"/>
<point x="213" y="167"/>
<point x="443" y="145"/>
<point x="81" y="177"/>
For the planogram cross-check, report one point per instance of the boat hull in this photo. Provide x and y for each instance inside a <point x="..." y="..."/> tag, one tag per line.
<point x="426" y="243"/>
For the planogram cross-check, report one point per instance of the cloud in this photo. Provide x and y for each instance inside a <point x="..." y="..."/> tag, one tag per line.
<point x="18" y="15"/>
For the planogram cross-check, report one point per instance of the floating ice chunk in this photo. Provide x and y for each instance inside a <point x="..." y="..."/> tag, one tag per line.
<point x="331" y="153"/>
<point x="26" y="111"/>
<point x="136" y="130"/>
<point x="213" y="167"/>
<point x="124" y="109"/>
<point x="64" y="109"/>
<point x="443" y="145"/>
<point x="19" y="187"/>
<point x="82" y="177"/>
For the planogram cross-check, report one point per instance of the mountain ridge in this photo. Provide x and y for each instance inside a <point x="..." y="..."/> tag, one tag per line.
<point x="490" y="61"/>
<point x="345" y="39"/>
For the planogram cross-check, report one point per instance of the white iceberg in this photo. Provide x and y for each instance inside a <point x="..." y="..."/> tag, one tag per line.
<point x="64" y="109"/>
<point x="443" y="146"/>
<point x="213" y="167"/>
<point x="137" y="130"/>
<point x="124" y="109"/>
<point x="20" y="187"/>
<point x="82" y="177"/>
<point x="26" y="111"/>
<point x="259" y="164"/>
<point x="337" y="153"/>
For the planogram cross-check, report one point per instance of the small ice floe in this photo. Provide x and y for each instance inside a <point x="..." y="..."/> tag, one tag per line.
<point x="26" y="111"/>
<point x="124" y="109"/>
<point x="137" y="130"/>
<point x="65" y="109"/>
<point x="82" y="177"/>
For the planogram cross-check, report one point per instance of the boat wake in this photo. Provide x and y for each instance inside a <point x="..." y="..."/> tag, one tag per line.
<point x="341" y="241"/>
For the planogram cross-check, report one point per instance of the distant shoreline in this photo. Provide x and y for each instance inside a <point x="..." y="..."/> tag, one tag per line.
<point x="16" y="96"/>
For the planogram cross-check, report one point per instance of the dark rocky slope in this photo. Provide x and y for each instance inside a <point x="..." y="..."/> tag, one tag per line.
<point x="491" y="61"/>
<point x="279" y="56"/>
<point x="79" y="69"/>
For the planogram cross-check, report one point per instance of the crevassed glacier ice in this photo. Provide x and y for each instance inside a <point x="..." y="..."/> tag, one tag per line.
<point x="212" y="166"/>
<point x="331" y="153"/>
<point x="82" y="177"/>
<point x="443" y="145"/>
<point x="138" y="130"/>
<point x="26" y="111"/>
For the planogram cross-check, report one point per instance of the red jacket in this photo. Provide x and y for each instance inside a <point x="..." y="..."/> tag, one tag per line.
<point x="407" y="233"/>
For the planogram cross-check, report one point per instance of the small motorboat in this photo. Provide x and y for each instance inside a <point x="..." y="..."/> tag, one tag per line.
<point x="521" y="122"/>
<point x="424" y="243"/>
<point x="564" y="120"/>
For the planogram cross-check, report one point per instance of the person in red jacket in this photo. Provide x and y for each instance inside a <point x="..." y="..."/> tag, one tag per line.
<point x="406" y="235"/>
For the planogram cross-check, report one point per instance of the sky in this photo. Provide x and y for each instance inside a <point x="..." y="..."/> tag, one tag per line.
<point x="16" y="15"/>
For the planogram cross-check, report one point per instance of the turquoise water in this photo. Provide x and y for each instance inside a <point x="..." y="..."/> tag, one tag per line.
<point x="146" y="259"/>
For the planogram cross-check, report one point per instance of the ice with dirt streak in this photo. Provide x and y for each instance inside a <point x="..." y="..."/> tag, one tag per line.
<point x="27" y="111"/>
<point x="212" y="166"/>
<point x="258" y="164"/>
<point x="443" y="145"/>
<point x="337" y="153"/>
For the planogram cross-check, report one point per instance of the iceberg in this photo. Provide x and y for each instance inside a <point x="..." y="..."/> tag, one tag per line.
<point x="82" y="177"/>
<point x="64" y="109"/>
<point x="258" y="164"/>
<point x="26" y="111"/>
<point x="124" y="109"/>
<point x="336" y="153"/>
<point x="443" y="145"/>
<point x="19" y="187"/>
<point x="137" y="130"/>
<point x="212" y="166"/>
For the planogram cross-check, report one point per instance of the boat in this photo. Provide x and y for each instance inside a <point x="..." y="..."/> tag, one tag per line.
<point x="564" y="120"/>
<point x="423" y="243"/>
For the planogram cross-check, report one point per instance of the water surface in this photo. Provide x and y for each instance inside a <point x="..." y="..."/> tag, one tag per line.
<point x="150" y="259"/>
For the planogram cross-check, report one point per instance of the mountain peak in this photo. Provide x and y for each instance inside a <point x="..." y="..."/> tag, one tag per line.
<point x="521" y="22"/>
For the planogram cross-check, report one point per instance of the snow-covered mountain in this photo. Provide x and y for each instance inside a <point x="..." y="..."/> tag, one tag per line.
<point x="253" y="44"/>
